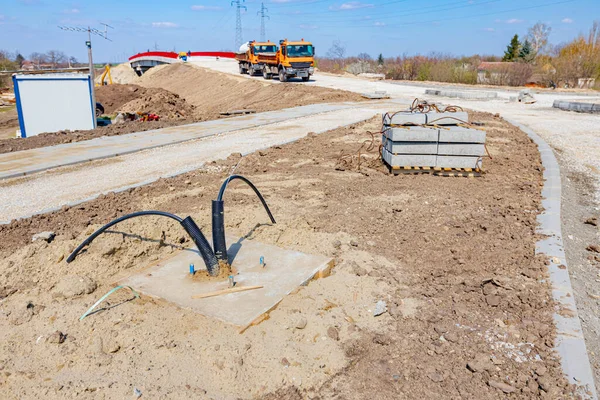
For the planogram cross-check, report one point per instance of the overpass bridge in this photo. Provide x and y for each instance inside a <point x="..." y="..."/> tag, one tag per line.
<point x="142" y="62"/>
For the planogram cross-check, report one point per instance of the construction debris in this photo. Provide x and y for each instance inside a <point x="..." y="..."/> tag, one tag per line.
<point x="226" y="291"/>
<point x="238" y="112"/>
<point x="526" y="97"/>
<point x="380" y="308"/>
<point x="45" y="236"/>
<point x="376" y="95"/>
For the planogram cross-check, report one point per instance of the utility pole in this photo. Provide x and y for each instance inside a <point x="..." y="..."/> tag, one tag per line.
<point x="88" y="44"/>
<point x="238" y="22"/>
<point x="262" y="21"/>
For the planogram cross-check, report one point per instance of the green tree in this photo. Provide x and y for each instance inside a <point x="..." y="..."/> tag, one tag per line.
<point x="526" y="53"/>
<point x="512" y="50"/>
<point x="380" y="59"/>
<point x="19" y="59"/>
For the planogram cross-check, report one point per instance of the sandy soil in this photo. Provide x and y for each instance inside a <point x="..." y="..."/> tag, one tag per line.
<point x="465" y="317"/>
<point x="180" y="94"/>
<point x="9" y="122"/>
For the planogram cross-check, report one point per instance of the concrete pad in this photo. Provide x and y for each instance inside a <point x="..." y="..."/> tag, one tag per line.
<point x="458" y="162"/>
<point x="411" y="147"/>
<point x="447" y="118"/>
<point x="285" y="271"/>
<point x="461" y="149"/>
<point x="458" y="134"/>
<point x="405" y="118"/>
<point x="411" y="160"/>
<point x="412" y="134"/>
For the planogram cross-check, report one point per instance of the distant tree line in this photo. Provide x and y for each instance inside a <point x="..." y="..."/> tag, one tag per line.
<point x="47" y="60"/>
<point x="51" y="59"/>
<point x="530" y="59"/>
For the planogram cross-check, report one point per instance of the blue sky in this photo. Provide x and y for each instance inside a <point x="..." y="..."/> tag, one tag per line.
<point x="373" y="26"/>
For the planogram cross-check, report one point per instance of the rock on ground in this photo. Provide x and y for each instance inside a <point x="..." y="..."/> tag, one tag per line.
<point x="73" y="286"/>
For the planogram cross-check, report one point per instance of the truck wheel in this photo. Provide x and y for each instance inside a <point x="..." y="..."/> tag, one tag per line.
<point x="305" y="78"/>
<point x="266" y="74"/>
<point x="242" y="69"/>
<point x="282" y="76"/>
<point x="99" y="109"/>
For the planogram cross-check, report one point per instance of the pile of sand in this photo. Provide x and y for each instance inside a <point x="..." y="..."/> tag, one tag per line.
<point x="214" y="92"/>
<point x="136" y="99"/>
<point x="161" y="102"/>
<point x="122" y="73"/>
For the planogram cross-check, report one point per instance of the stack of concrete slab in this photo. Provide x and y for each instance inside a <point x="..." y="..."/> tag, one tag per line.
<point x="432" y="141"/>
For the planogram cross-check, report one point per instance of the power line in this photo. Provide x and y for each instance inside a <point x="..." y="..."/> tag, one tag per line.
<point x="88" y="43"/>
<point x="262" y="21"/>
<point x="301" y="3"/>
<point x="461" y="17"/>
<point x="238" y="22"/>
<point x="406" y="12"/>
<point x="477" y="15"/>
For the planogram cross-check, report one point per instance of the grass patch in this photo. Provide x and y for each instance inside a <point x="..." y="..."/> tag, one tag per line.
<point x="9" y="108"/>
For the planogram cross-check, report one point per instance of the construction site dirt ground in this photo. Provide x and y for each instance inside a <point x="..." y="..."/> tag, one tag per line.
<point x="469" y="308"/>
<point x="180" y="94"/>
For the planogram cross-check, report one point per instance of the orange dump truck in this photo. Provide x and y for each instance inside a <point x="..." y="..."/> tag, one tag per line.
<point x="248" y="54"/>
<point x="293" y="59"/>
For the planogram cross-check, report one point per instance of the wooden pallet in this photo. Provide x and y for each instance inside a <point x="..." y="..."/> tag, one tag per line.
<point x="437" y="171"/>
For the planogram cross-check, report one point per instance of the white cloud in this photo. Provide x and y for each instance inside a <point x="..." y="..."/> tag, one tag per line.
<point x="304" y="26"/>
<point x="567" y="21"/>
<point x="379" y="23"/>
<point x="489" y="29"/>
<point x="205" y="8"/>
<point x="513" y="21"/>
<point x="2" y="18"/>
<point x="164" y="25"/>
<point x="71" y="11"/>
<point x="352" y="5"/>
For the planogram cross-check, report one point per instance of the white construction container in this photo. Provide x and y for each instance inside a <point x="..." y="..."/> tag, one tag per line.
<point x="54" y="102"/>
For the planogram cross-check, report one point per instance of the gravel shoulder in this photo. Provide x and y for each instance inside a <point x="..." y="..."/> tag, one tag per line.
<point x="578" y="207"/>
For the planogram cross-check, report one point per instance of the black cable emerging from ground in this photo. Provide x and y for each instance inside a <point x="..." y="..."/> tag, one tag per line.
<point x="212" y="265"/>
<point x="218" y="217"/>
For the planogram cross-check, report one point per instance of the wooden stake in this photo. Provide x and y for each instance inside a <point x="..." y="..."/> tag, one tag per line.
<point x="225" y="291"/>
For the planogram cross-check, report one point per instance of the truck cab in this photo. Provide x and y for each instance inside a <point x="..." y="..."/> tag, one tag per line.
<point x="294" y="59"/>
<point x="248" y="56"/>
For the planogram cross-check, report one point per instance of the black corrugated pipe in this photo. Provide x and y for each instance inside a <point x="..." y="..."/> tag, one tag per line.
<point x="218" y="217"/>
<point x="211" y="262"/>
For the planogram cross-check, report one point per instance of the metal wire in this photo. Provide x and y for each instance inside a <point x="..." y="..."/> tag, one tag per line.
<point x="423" y="106"/>
<point x="357" y="158"/>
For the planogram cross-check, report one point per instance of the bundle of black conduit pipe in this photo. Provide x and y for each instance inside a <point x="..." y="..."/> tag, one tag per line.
<point x="211" y="258"/>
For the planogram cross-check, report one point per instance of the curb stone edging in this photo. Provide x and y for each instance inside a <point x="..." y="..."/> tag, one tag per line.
<point x="467" y="94"/>
<point x="590" y="108"/>
<point x="570" y="343"/>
